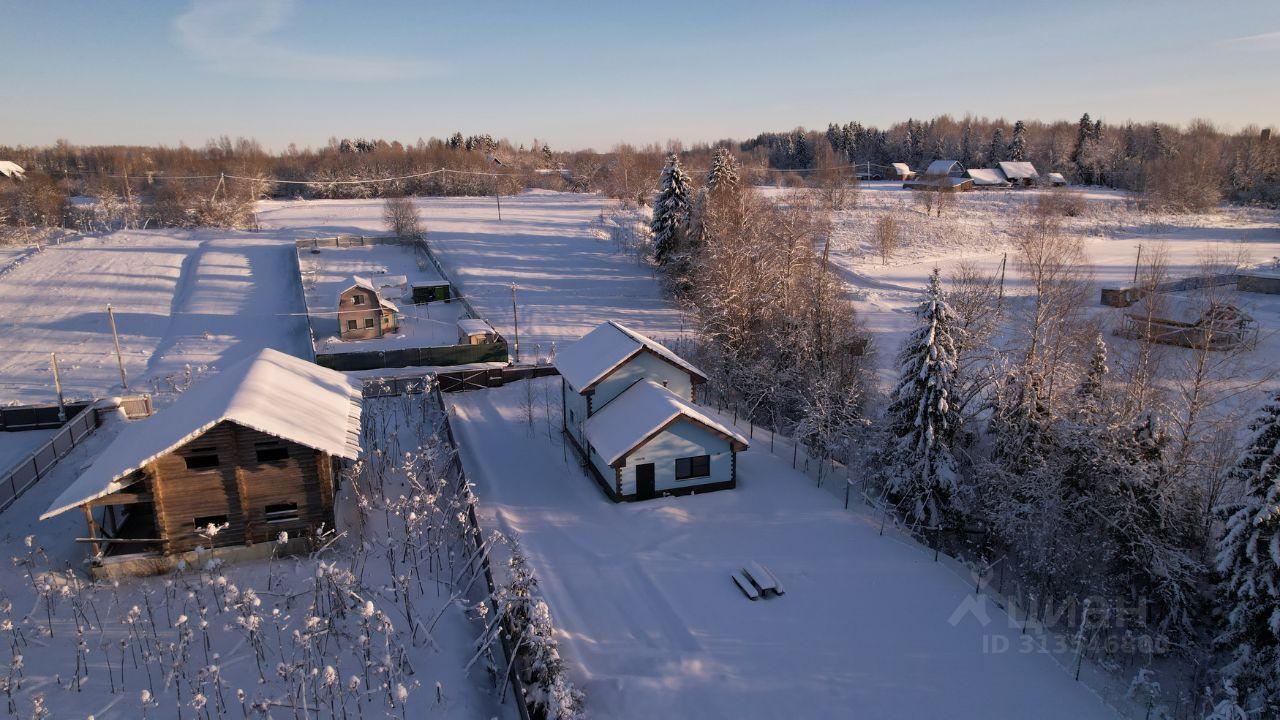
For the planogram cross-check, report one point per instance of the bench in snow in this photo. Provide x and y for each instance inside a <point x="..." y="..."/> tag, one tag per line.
<point x="762" y="578"/>
<point x="745" y="586"/>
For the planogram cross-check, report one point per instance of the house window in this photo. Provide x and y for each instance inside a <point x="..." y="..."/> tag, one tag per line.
<point x="693" y="467"/>
<point x="281" y="512"/>
<point x="352" y="324"/>
<point x="269" y="452"/>
<point x="201" y="459"/>
<point x="357" y="299"/>
<point x="217" y="521"/>
<point x="370" y="322"/>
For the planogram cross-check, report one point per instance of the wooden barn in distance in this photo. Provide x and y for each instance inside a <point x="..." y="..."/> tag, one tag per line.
<point x="363" y="312"/>
<point x="941" y="176"/>
<point x="239" y="458"/>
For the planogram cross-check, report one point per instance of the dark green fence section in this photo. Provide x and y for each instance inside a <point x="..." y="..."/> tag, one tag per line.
<point x="415" y="357"/>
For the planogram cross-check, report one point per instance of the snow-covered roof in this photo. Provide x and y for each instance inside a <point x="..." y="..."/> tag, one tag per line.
<point x="640" y="412"/>
<point x="271" y="392"/>
<point x="902" y="168"/>
<point x="1057" y="178"/>
<point x="943" y="167"/>
<point x="987" y="176"/>
<point x="1019" y="170"/>
<point x="601" y="351"/>
<point x="430" y="283"/>
<point x="366" y="284"/>
<point x="11" y="169"/>
<point x="474" y="326"/>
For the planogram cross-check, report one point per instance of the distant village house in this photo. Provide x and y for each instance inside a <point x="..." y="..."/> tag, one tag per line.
<point x="941" y="176"/>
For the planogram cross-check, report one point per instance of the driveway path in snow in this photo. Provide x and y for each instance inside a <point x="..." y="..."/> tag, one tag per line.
<point x="652" y="626"/>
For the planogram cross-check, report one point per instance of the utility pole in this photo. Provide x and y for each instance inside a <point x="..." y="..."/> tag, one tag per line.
<point x="515" y="316"/>
<point x="1136" y="263"/>
<point x="1003" y="259"/>
<point x="498" y="196"/>
<point x="57" y="384"/>
<point x="115" y="337"/>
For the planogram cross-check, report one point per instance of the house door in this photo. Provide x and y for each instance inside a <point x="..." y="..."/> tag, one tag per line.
<point x="644" y="481"/>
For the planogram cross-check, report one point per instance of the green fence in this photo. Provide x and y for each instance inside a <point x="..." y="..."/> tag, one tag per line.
<point x="415" y="357"/>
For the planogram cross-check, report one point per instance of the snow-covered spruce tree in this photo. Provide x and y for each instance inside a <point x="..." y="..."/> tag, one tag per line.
<point x="921" y="419"/>
<point x="671" y="211"/>
<point x="551" y="695"/>
<point x="722" y="178"/>
<point x="1018" y="145"/>
<point x="995" y="153"/>
<point x="1248" y="562"/>
<point x="1090" y="390"/>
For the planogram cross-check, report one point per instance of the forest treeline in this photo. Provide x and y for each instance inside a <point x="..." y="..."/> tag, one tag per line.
<point x="1179" y="168"/>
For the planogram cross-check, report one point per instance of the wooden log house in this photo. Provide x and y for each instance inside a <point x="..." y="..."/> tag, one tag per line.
<point x="241" y="457"/>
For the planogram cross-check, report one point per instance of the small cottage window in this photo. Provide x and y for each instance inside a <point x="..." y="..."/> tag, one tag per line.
<point x="271" y="452"/>
<point x="352" y="324"/>
<point x="201" y="459"/>
<point x="281" y="512"/>
<point x="369" y="322"/>
<point x="693" y="467"/>
<point x="357" y="299"/>
<point x="217" y="521"/>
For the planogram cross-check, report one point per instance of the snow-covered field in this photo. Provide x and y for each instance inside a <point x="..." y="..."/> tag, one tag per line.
<point x="328" y="272"/>
<point x="568" y="279"/>
<point x="870" y="626"/>
<point x="182" y="300"/>
<point x="978" y="230"/>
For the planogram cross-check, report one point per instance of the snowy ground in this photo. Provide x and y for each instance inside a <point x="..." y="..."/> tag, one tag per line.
<point x="16" y="446"/>
<point x="182" y="300"/>
<point x="327" y="273"/>
<point x="978" y="231"/>
<point x="652" y="626"/>
<point x="46" y="599"/>
<point x="568" y="279"/>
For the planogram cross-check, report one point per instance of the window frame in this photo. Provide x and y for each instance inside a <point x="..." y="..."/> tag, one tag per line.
<point x="200" y="455"/>
<point x="691" y="466"/>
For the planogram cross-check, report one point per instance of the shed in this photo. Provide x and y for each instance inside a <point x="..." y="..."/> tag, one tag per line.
<point x="941" y="176"/>
<point x="1260" y="279"/>
<point x="1189" y="321"/>
<point x="474" y="331"/>
<point x="363" y="311"/>
<point x="899" y="171"/>
<point x="1056" y="179"/>
<point x="1019" y="172"/>
<point x="612" y="362"/>
<point x="988" y="177"/>
<point x="253" y="451"/>
<point x="430" y="291"/>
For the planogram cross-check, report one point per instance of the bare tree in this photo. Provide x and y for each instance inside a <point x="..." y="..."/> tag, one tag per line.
<point x="401" y="217"/>
<point x="885" y="238"/>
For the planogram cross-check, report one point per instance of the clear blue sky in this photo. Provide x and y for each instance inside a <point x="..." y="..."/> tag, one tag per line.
<point x="589" y="74"/>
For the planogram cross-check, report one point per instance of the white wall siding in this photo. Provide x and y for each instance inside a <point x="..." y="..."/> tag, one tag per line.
<point x="683" y="439"/>
<point x="644" y="365"/>
<point x="577" y="405"/>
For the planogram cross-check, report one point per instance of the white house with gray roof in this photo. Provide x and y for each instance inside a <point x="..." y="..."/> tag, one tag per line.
<point x="630" y="412"/>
